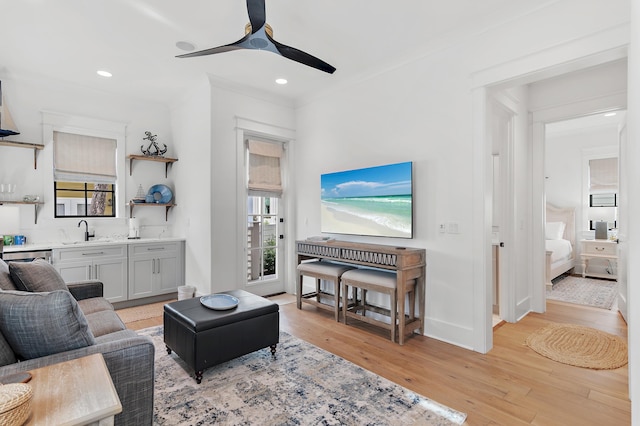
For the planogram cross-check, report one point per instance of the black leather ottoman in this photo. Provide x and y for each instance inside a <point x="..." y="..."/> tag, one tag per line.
<point x="204" y="337"/>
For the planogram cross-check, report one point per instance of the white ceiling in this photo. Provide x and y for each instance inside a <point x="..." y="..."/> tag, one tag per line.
<point x="587" y="123"/>
<point x="70" y="40"/>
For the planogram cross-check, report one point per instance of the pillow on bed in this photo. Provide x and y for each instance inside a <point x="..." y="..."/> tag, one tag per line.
<point x="554" y="230"/>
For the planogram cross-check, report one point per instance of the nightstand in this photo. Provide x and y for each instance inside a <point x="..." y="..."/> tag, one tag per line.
<point x="599" y="249"/>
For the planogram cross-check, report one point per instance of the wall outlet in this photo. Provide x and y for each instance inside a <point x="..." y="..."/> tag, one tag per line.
<point x="452" y="228"/>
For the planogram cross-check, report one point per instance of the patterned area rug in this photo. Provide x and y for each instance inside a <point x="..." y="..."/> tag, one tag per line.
<point x="584" y="291"/>
<point x="303" y="385"/>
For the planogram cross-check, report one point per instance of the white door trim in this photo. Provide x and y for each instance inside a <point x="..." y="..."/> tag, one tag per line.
<point x="246" y="127"/>
<point x="554" y="61"/>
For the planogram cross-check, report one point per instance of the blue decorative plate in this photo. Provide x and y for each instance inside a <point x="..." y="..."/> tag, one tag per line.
<point x="219" y="302"/>
<point x="161" y="194"/>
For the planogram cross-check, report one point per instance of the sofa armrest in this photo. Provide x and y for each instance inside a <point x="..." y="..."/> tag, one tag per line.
<point x="81" y="290"/>
<point x="130" y="360"/>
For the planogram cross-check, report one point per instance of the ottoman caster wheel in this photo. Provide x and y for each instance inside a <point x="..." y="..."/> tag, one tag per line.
<point x="168" y="350"/>
<point x="199" y="377"/>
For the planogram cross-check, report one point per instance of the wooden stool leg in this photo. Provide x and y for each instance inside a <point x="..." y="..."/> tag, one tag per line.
<point x="345" y="296"/>
<point x="299" y="292"/>
<point x="336" y="299"/>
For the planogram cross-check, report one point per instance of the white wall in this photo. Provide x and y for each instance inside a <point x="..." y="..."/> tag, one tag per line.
<point x="27" y="98"/>
<point x="191" y="125"/>
<point x="422" y="112"/>
<point x="226" y="256"/>
<point x="633" y="236"/>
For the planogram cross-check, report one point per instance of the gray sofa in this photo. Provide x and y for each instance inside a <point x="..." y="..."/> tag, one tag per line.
<point x="44" y="321"/>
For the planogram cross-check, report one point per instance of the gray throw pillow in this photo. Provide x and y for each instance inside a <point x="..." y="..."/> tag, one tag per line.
<point x="6" y="353"/>
<point x="36" y="276"/>
<point x="41" y="324"/>
<point x="6" y="283"/>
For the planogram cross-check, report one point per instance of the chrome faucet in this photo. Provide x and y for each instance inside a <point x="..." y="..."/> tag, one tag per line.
<point x="87" y="235"/>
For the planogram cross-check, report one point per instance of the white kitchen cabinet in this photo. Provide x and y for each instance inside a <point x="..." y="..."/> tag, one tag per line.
<point x="106" y="263"/>
<point x="155" y="268"/>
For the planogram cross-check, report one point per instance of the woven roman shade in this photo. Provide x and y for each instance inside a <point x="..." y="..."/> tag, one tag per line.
<point x="81" y="158"/>
<point x="603" y="175"/>
<point x="265" y="174"/>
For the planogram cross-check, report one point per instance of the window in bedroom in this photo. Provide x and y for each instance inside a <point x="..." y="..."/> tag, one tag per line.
<point x="603" y="192"/>
<point x="85" y="175"/>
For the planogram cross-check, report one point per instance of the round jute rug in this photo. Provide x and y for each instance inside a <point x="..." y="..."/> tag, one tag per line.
<point x="579" y="346"/>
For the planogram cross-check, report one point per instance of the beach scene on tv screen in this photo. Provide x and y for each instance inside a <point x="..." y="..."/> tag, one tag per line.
<point x="374" y="201"/>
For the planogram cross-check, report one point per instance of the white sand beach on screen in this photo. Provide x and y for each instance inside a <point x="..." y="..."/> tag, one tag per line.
<point x="340" y="222"/>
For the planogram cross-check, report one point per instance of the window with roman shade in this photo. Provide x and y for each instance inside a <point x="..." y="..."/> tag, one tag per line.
<point x="265" y="173"/>
<point x="81" y="158"/>
<point x="603" y="175"/>
<point x="85" y="174"/>
<point x="603" y="191"/>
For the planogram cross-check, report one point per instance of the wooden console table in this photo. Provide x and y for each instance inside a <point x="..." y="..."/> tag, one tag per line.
<point x="409" y="264"/>
<point x="75" y="392"/>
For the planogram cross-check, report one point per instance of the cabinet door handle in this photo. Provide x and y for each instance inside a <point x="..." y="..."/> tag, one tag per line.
<point x="158" y="263"/>
<point x="95" y="270"/>
<point x="153" y="266"/>
<point x="600" y="248"/>
<point x="89" y="271"/>
<point x="93" y="254"/>
<point x="155" y="248"/>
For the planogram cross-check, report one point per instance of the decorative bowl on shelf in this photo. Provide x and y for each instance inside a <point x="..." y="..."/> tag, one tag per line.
<point x="161" y="194"/>
<point x="137" y="200"/>
<point x="31" y="198"/>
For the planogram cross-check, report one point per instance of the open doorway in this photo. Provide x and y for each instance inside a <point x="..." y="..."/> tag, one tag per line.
<point x="590" y="91"/>
<point x="582" y="183"/>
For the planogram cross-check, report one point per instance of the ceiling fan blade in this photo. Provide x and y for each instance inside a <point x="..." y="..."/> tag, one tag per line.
<point x="219" y="49"/>
<point x="257" y="14"/>
<point x="302" y="57"/>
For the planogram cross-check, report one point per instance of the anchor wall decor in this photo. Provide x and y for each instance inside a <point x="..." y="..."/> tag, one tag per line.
<point x="153" y="150"/>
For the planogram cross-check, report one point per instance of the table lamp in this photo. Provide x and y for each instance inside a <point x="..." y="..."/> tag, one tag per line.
<point x="9" y="224"/>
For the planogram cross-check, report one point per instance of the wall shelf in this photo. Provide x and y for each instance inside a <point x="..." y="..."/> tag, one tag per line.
<point x="166" y="206"/>
<point x="35" y="146"/>
<point x="166" y="160"/>
<point x="35" y="204"/>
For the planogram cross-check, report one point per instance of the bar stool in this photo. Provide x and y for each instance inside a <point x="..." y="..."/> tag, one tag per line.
<point x="321" y="270"/>
<point x="381" y="282"/>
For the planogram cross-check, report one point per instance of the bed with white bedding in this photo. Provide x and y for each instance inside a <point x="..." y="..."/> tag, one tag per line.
<point x="560" y="241"/>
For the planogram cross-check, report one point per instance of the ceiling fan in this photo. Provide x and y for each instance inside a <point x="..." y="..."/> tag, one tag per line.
<point x="259" y="36"/>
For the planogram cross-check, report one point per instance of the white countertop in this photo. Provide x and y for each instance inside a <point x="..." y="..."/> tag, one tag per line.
<point x="90" y="243"/>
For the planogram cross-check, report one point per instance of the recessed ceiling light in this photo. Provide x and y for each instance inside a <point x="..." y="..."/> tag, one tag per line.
<point x="610" y="114"/>
<point x="281" y="80"/>
<point x="185" y="45"/>
<point x="103" y="73"/>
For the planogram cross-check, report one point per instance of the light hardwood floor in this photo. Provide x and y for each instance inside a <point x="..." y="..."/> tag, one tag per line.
<point x="511" y="385"/>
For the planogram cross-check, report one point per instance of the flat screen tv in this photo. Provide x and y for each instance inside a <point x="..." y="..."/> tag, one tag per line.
<point x="375" y="201"/>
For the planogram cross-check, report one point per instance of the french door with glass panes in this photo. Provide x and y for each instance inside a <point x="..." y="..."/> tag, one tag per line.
<point x="264" y="245"/>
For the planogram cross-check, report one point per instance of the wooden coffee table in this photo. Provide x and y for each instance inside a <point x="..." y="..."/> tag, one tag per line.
<point x="75" y="392"/>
